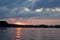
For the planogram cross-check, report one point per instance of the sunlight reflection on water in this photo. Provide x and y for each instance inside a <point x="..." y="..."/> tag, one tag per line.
<point x="18" y="33"/>
<point x="30" y="34"/>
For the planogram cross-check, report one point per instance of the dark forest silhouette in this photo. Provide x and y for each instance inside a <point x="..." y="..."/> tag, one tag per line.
<point x="5" y="24"/>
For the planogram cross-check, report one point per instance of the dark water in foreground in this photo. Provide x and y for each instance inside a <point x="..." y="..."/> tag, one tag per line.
<point x="30" y="34"/>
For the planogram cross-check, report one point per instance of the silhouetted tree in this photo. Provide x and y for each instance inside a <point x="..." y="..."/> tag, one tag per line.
<point x="3" y="23"/>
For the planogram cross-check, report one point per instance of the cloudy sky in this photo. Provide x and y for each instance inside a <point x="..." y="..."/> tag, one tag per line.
<point x="30" y="11"/>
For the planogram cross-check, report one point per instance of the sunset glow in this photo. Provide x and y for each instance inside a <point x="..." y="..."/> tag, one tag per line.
<point x="18" y="23"/>
<point x="30" y="12"/>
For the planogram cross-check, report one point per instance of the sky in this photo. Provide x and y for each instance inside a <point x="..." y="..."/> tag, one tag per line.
<point x="30" y="11"/>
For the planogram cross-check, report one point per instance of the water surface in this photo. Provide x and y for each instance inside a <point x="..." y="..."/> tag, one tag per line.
<point x="29" y="33"/>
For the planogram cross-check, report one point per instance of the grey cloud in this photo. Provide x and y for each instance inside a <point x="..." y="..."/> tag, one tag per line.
<point x="14" y="13"/>
<point x="20" y="4"/>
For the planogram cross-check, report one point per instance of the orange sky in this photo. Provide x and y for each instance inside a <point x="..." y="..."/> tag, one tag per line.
<point x="33" y="21"/>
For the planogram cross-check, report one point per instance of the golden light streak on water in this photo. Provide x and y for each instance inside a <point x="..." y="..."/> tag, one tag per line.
<point x="18" y="39"/>
<point x="18" y="33"/>
<point x="19" y="29"/>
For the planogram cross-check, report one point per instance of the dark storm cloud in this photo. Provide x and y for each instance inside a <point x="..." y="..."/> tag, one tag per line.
<point x="46" y="4"/>
<point x="38" y="4"/>
<point x="11" y="3"/>
<point x="6" y="2"/>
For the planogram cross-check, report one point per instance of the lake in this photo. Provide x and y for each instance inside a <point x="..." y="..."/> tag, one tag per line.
<point x="29" y="33"/>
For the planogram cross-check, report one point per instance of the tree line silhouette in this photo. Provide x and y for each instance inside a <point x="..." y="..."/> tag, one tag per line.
<point x="5" y="24"/>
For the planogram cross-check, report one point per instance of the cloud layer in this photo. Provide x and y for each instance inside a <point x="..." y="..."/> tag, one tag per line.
<point x="39" y="9"/>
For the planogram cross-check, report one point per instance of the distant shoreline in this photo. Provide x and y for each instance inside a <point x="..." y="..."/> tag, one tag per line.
<point x="5" y="24"/>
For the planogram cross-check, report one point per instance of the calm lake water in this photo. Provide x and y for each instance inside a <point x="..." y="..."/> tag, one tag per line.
<point x="30" y="34"/>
